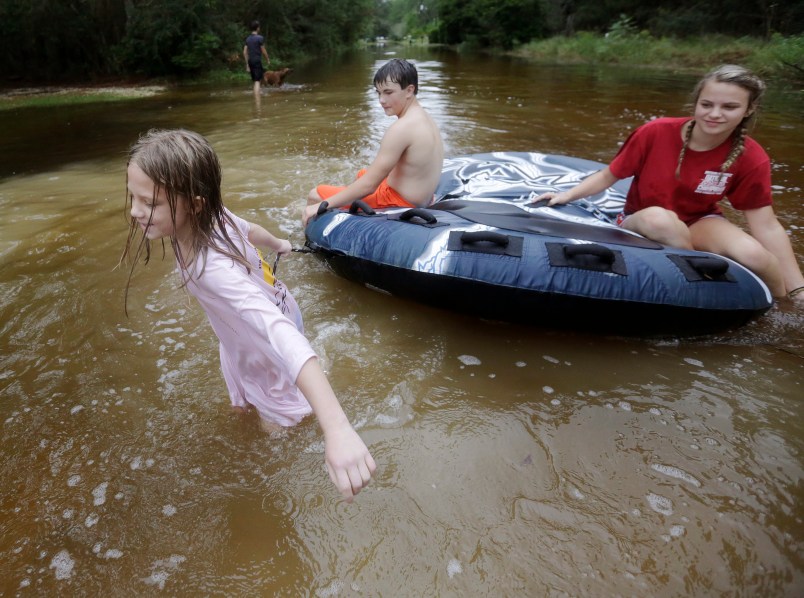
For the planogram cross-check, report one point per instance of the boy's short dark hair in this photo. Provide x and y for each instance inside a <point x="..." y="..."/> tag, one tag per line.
<point x="255" y="25"/>
<point x="398" y="71"/>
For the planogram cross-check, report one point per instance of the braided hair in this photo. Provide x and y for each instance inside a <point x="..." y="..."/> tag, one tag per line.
<point x="742" y="77"/>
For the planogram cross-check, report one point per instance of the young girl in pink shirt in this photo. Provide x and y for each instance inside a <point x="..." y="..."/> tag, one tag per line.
<point x="682" y="168"/>
<point x="174" y="192"/>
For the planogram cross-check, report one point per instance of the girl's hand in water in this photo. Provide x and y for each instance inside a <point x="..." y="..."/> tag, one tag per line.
<point x="797" y="297"/>
<point x="349" y="463"/>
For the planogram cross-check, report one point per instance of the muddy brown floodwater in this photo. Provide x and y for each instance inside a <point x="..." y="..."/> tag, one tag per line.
<point x="512" y="461"/>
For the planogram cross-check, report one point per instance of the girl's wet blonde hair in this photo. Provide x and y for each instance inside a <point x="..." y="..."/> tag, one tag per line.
<point x="183" y="165"/>
<point x="742" y="77"/>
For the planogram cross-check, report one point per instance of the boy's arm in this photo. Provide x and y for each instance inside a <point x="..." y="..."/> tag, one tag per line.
<point x="245" y="56"/>
<point x="349" y="463"/>
<point x="393" y="145"/>
<point x="264" y="53"/>
<point x="260" y="237"/>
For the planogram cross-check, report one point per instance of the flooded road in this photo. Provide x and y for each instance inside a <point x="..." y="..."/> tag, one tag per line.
<point x="511" y="461"/>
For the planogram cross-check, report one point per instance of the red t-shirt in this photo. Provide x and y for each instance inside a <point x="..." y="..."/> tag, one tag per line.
<point x="650" y="155"/>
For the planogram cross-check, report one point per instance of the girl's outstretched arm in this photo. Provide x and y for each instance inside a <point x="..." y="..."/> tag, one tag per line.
<point x="349" y="462"/>
<point x="260" y="237"/>
<point x="594" y="183"/>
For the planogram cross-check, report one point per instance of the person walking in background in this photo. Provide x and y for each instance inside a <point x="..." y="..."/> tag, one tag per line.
<point x="682" y="168"/>
<point x="253" y="51"/>
<point x="173" y="179"/>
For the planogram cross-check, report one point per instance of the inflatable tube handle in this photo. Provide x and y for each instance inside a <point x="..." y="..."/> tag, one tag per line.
<point x="361" y="205"/>
<point x="605" y="254"/>
<point x="322" y="207"/>
<point x="484" y="236"/>
<point x="418" y="213"/>
<point x="709" y="267"/>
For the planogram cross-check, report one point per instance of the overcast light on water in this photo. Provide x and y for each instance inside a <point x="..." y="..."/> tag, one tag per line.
<point x="512" y="461"/>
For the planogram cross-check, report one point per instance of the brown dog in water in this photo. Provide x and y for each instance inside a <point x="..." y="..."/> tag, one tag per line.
<point x="276" y="78"/>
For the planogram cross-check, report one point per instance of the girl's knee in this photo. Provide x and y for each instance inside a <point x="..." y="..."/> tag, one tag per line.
<point x="661" y="225"/>
<point x="660" y="219"/>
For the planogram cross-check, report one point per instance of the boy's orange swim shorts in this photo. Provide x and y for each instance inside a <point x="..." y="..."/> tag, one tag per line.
<point x="383" y="197"/>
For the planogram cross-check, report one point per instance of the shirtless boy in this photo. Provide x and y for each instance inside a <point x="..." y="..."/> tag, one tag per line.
<point x="408" y="165"/>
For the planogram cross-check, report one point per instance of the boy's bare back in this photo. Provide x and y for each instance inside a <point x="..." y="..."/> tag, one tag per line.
<point x="418" y="169"/>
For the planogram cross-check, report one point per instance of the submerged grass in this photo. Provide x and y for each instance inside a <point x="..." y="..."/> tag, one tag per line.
<point x="48" y="97"/>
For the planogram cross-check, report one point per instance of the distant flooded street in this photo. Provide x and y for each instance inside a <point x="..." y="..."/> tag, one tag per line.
<point x="512" y="461"/>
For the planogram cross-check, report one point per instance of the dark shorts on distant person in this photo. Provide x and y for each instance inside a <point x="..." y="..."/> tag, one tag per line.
<point x="256" y="70"/>
<point x="384" y="197"/>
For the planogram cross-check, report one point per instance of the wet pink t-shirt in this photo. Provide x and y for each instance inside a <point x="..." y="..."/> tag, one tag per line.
<point x="262" y="345"/>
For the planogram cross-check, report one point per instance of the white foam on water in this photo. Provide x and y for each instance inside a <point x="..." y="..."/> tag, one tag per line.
<point x="694" y="362"/>
<point x="91" y="519"/>
<point x="73" y="480"/>
<point x="555" y="402"/>
<point x="660" y="504"/>
<point x="625" y="406"/>
<point x="332" y="589"/>
<point x="76" y="409"/>
<point x="157" y="578"/>
<point x="548" y="389"/>
<point x="63" y="564"/>
<point x="520" y="364"/>
<point x="161" y="570"/>
<point x="453" y="568"/>
<point x="550" y="359"/>
<point x="99" y="494"/>
<point x="169" y="510"/>
<point x="675" y="472"/>
<point x="468" y="360"/>
<point x="677" y="531"/>
<point x="316" y="448"/>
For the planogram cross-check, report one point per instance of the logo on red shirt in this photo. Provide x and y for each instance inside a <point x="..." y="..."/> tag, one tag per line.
<point x="713" y="183"/>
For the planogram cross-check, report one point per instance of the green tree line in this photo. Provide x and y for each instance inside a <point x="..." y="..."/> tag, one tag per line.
<point x="507" y="23"/>
<point x="85" y="39"/>
<point x="51" y="40"/>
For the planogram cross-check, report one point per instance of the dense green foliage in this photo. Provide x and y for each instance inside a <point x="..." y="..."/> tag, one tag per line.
<point x="50" y="40"/>
<point x="778" y="57"/>
<point x="85" y="39"/>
